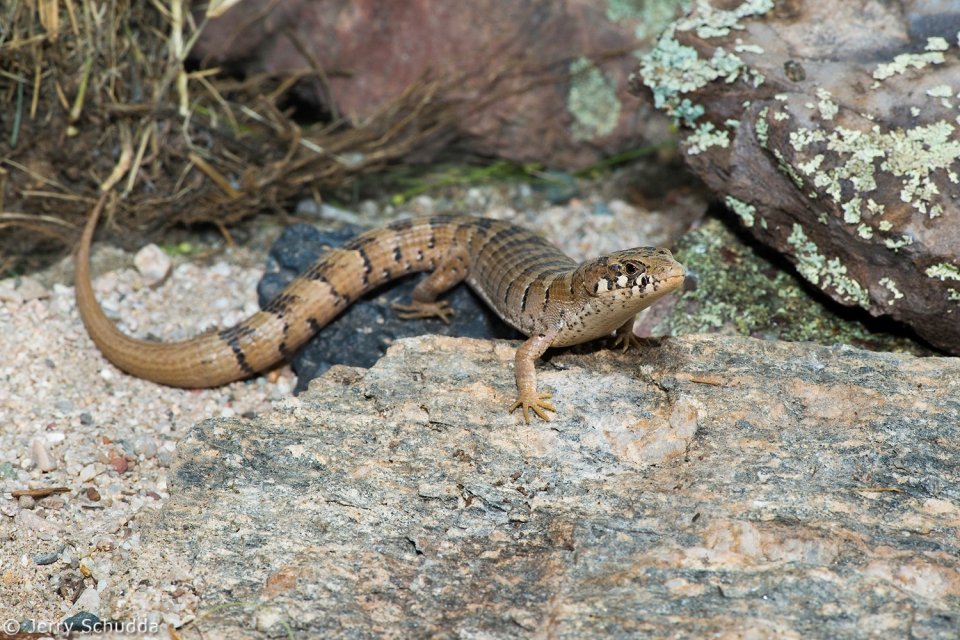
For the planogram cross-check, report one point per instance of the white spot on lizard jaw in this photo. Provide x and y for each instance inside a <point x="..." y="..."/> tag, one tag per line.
<point x="622" y="281"/>
<point x="602" y="285"/>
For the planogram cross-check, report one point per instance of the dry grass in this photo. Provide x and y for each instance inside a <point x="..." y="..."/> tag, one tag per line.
<point x="94" y="97"/>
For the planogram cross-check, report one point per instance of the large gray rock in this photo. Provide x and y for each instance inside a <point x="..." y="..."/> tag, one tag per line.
<point x="831" y="128"/>
<point x="711" y="485"/>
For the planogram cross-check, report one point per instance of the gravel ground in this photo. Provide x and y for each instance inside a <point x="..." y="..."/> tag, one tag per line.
<point x="71" y="421"/>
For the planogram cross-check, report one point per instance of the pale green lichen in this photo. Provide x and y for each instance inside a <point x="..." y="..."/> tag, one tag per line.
<point x="935" y="48"/>
<point x="828" y="108"/>
<point x="782" y="97"/>
<point x="652" y="16"/>
<point x="953" y="295"/>
<point x="592" y="101"/>
<point x="672" y="69"/>
<point x="865" y="231"/>
<point x="731" y="124"/>
<point x="779" y="116"/>
<point x="912" y="155"/>
<point x="885" y="225"/>
<point x="742" y="209"/>
<point x="761" y="127"/>
<point x="706" y="136"/>
<point x="808" y="168"/>
<point x="896" y="245"/>
<point x="892" y="288"/>
<point x="851" y="211"/>
<point x="803" y="137"/>
<point x="944" y="271"/>
<point x="716" y="23"/>
<point x="785" y="167"/>
<point x="815" y="267"/>
<point x="874" y="207"/>
<point x="940" y="91"/>
<point x="915" y="111"/>
<point x="748" y="48"/>
<point x="746" y="295"/>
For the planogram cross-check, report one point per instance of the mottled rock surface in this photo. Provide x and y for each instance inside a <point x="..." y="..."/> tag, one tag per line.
<point x="372" y="50"/>
<point x="710" y="485"/>
<point x="831" y="129"/>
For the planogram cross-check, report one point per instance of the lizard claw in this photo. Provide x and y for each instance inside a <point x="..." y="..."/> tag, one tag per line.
<point x="417" y="310"/>
<point x="628" y="339"/>
<point x="536" y="403"/>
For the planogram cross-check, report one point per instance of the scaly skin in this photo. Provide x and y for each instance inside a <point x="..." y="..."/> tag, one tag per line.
<point x="529" y="283"/>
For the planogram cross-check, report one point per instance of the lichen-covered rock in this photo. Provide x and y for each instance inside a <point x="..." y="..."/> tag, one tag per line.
<point x="709" y="487"/>
<point x="831" y="128"/>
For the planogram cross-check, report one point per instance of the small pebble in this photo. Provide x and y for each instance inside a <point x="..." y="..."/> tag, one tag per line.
<point x="63" y="406"/>
<point x="9" y="293"/>
<point x="86" y="419"/>
<point x="84" y="619"/>
<point x="26" y="502"/>
<point x="92" y="494"/>
<point x="28" y="463"/>
<point x="118" y="463"/>
<point x="45" y="461"/>
<point x="30" y="289"/>
<point x="88" y="473"/>
<point x="163" y="458"/>
<point x="43" y="559"/>
<point x="153" y="264"/>
<point x="145" y="446"/>
<point x="52" y="502"/>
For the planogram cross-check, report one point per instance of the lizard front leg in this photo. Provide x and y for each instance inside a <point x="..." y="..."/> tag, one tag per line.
<point x="450" y="272"/>
<point x="528" y="397"/>
<point x="625" y="337"/>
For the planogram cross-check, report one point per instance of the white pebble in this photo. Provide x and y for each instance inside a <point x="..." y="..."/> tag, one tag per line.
<point x="88" y="473"/>
<point x="152" y="263"/>
<point x="30" y="289"/>
<point x="45" y="461"/>
<point x="89" y="600"/>
<point x="8" y="292"/>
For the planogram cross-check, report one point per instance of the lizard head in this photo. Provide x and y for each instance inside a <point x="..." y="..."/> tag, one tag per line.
<point x="644" y="273"/>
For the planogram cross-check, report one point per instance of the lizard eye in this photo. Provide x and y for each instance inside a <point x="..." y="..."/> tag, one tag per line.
<point x="632" y="268"/>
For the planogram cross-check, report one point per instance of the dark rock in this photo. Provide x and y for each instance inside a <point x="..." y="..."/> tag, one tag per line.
<point x="48" y="558"/>
<point x="372" y="51"/>
<point x="82" y="622"/>
<point x="830" y="128"/>
<point x="361" y="335"/>
<point x="697" y="489"/>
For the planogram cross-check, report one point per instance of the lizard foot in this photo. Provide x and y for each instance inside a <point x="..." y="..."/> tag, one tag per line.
<point x="536" y="403"/>
<point x="416" y="310"/>
<point x="628" y="339"/>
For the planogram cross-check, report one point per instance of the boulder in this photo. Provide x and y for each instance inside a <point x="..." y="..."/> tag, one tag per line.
<point x="711" y="486"/>
<point x="830" y="128"/>
<point x="563" y="67"/>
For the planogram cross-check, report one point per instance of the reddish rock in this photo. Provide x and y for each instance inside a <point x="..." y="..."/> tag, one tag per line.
<point x="372" y="50"/>
<point x="120" y="464"/>
<point x="830" y="128"/>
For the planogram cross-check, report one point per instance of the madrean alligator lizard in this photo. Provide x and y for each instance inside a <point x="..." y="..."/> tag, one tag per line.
<point x="531" y="284"/>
